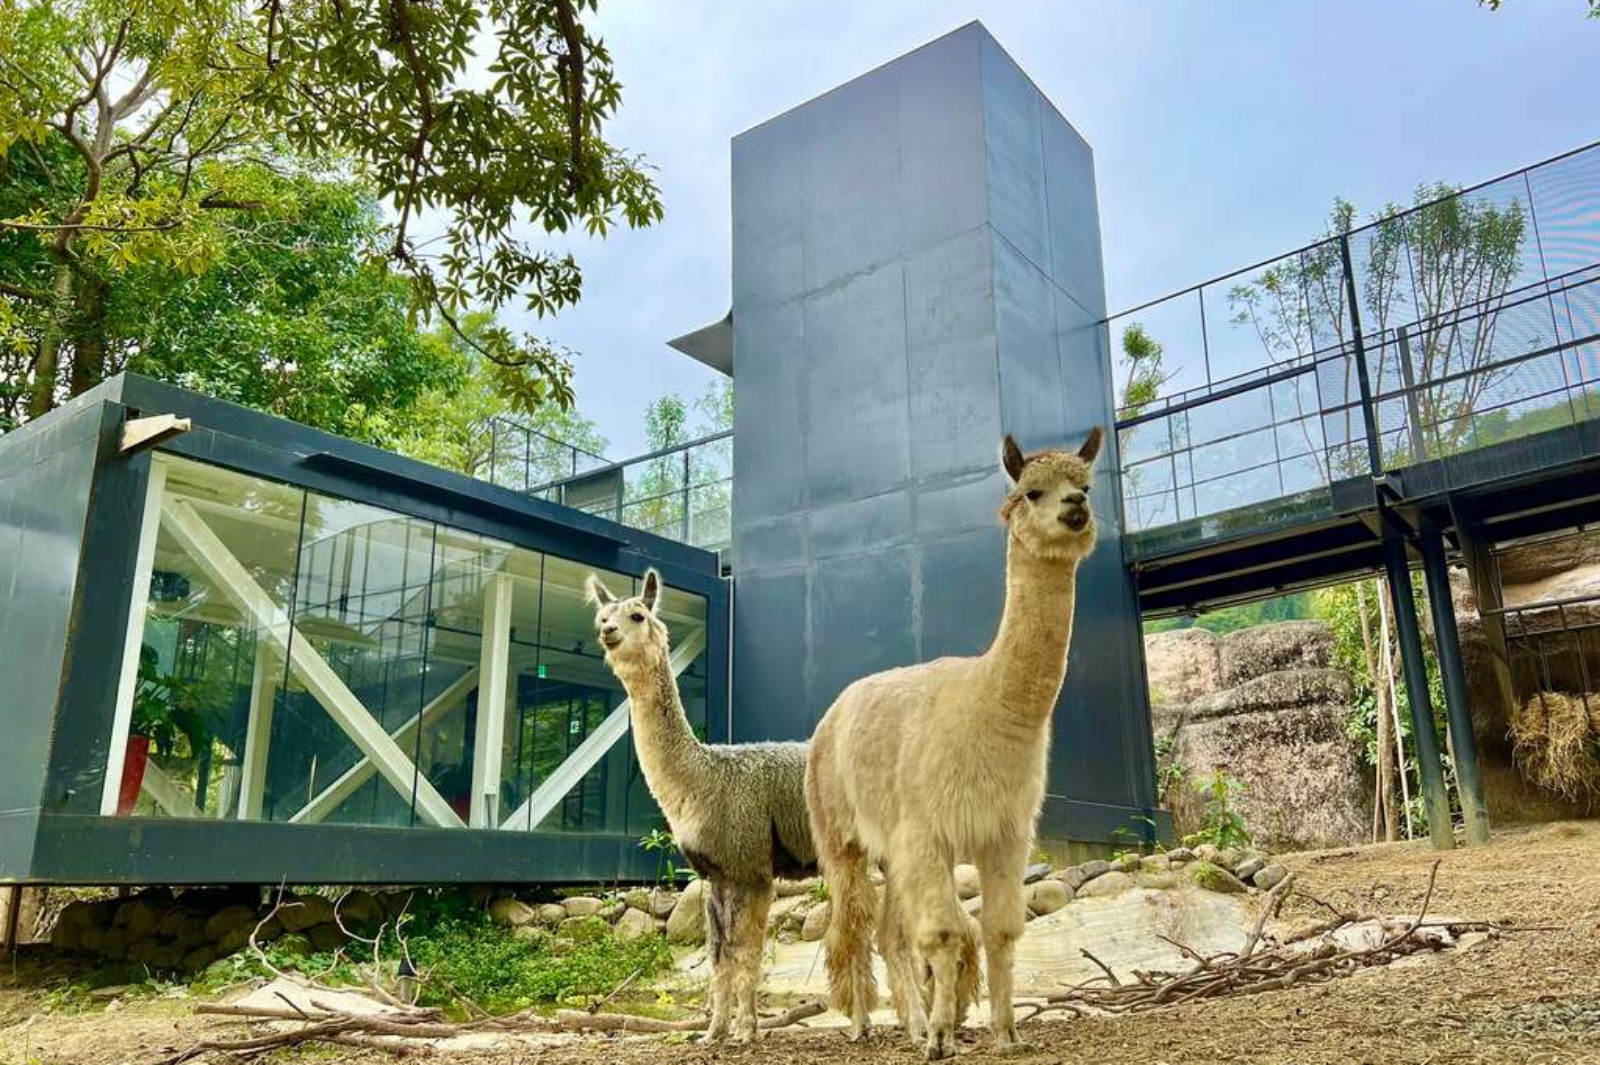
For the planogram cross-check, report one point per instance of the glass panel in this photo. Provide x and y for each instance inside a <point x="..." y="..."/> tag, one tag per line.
<point x="317" y="660"/>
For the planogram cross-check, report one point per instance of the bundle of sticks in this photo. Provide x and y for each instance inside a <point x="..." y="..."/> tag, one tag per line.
<point x="1314" y="955"/>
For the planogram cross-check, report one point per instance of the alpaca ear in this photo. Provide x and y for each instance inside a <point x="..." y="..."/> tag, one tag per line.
<point x="1091" y="446"/>
<point x="1011" y="455"/>
<point x="596" y="592"/>
<point x="652" y="590"/>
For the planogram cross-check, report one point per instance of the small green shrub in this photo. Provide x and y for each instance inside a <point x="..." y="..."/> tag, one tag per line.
<point x="1223" y="825"/>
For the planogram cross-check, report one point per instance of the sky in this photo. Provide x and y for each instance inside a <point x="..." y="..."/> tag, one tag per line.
<point x="1222" y="131"/>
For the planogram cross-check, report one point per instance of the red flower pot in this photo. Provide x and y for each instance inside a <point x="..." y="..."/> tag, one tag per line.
<point x="133" y="763"/>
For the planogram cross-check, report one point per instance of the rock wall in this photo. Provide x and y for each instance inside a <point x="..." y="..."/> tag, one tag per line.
<point x="1273" y="719"/>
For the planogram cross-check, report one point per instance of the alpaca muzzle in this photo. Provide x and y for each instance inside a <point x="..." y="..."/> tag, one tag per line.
<point x="1075" y="518"/>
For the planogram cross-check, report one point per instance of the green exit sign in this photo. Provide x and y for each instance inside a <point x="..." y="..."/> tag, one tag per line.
<point x="542" y="673"/>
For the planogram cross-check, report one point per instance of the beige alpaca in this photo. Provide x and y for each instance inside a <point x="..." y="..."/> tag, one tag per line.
<point x="921" y="767"/>
<point x="737" y="812"/>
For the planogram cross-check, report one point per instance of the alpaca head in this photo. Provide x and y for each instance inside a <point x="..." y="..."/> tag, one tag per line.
<point x="629" y="629"/>
<point x="1048" y="509"/>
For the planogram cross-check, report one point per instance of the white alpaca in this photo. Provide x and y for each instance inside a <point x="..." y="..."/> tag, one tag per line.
<point x="921" y="767"/>
<point x="737" y="811"/>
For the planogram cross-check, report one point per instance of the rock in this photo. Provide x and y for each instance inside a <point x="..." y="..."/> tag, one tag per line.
<point x="661" y="903"/>
<point x="326" y="938"/>
<point x="1048" y="896"/>
<point x="305" y="912"/>
<point x="550" y="914"/>
<point x="89" y="939"/>
<point x="1182" y="665"/>
<point x="816" y="925"/>
<point x="107" y="993"/>
<point x="1155" y="863"/>
<point x="1248" y="868"/>
<point x="514" y="913"/>
<point x="638" y="899"/>
<point x="141" y="951"/>
<point x="233" y="942"/>
<point x="1262" y="649"/>
<point x="1156" y="881"/>
<point x="967" y="883"/>
<point x="65" y="938"/>
<point x="1036" y="872"/>
<point x="782" y="908"/>
<point x="114" y="944"/>
<point x="192" y="932"/>
<point x="582" y="906"/>
<point x="295" y="945"/>
<point x="1270" y="877"/>
<point x="1215" y="878"/>
<point x="1072" y="877"/>
<point x="396" y="902"/>
<point x="1207" y="852"/>
<point x="635" y="924"/>
<point x="1180" y="854"/>
<point x="361" y="911"/>
<point x="197" y="959"/>
<point x="1105" y="885"/>
<point x="1129" y="863"/>
<point x="1091" y="869"/>
<point x="786" y="888"/>
<point x="226" y="920"/>
<point x="687" y="923"/>
<point x="611" y="911"/>
<point x="167" y="956"/>
<point x="138" y="917"/>
<point x="1469" y="940"/>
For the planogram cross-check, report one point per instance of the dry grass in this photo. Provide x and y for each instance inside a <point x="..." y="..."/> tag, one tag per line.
<point x="1557" y="738"/>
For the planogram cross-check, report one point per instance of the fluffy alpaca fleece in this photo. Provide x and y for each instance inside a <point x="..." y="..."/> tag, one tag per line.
<point x="921" y="767"/>
<point x="738" y="812"/>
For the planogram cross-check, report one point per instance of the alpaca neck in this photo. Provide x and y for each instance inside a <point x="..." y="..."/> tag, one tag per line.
<point x="669" y="751"/>
<point x="1028" y="659"/>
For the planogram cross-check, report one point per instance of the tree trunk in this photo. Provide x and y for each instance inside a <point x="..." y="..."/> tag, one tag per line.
<point x="42" y="397"/>
<point x="1388" y="803"/>
<point x="89" y="341"/>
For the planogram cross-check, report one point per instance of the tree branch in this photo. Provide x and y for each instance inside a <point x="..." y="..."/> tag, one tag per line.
<point x="22" y="292"/>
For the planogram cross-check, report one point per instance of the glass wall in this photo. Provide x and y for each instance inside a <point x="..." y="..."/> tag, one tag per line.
<point x="316" y="660"/>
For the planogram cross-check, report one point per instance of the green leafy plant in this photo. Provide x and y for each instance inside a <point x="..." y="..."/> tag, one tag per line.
<point x="665" y="847"/>
<point x="165" y="708"/>
<point x="1223" y="826"/>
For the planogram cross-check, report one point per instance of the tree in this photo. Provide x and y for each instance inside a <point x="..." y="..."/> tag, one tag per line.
<point x="1143" y="379"/>
<point x="686" y="490"/>
<point x="141" y="127"/>
<point x="461" y="423"/>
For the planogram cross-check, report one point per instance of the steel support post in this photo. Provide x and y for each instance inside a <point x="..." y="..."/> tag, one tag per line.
<point x="1424" y="739"/>
<point x="1458" y="704"/>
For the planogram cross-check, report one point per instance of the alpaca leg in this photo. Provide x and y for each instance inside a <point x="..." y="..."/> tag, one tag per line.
<point x="853" y="987"/>
<point x="928" y="890"/>
<point x="905" y="968"/>
<point x="717" y="951"/>
<point x="1000" y="870"/>
<point x="749" y="930"/>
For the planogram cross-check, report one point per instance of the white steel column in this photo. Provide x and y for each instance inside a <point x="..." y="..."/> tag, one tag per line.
<point x="133" y="642"/>
<point x="258" y="733"/>
<point x="588" y="754"/>
<point x="491" y="729"/>
<point x="312" y="670"/>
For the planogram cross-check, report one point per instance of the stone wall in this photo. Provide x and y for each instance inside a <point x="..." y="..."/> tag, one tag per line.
<point x="1263" y="706"/>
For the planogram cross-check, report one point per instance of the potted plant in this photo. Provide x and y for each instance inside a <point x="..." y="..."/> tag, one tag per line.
<point x="163" y="711"/>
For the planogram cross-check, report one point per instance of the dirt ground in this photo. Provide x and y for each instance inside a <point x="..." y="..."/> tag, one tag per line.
<point x="1529" y="998"/>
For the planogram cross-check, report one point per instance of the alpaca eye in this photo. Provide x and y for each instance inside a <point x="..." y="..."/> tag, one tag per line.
<point x="638" y="617"/>
<point x="1034" y="494"/>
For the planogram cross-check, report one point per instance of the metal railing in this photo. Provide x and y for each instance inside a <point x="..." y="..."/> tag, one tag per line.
<point x="523" y="458"/>
<point x="683" y="492"/>
<point x="1467" y="320"/>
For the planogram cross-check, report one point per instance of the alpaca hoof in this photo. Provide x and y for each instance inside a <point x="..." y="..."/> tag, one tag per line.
<point x="940" y="1045"/>
<point x="860" y="1032"/>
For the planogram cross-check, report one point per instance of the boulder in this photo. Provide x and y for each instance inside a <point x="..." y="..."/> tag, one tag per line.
<point x="233" y="941"/>
<point x="138" y="917"/>
<point x="687" y="922"/>
<point x="326" y="938"/>
<point x="1270" y="877"/>
<point x="227" y="920"/>
<point x="514" y="913"/>
<point x="167" y="956"/>
<point x="550" y="914"/>
<point x="662" y="903"/>
<point x="1262" y="649"/>
<point x="197" y="959"/>
<point x="295" y="945"/>
<point x="582" y="906"/>
<point x="305" y="912"/>
<point x="782" y="908"/>
<point x="114" y="944"/>
<point x="1249" y="867"/>
<point x="1036" y="872"/>
<point x="1180" y="854"/>
<point x="786" y="888"/>
<point x="816" y="925"/>
<point x="1048" y="896"/>
<point x="967" y="883"/>
<point x="1105" y="885"/>
<point x="638" y="899"/>
<point x="1155" y="863"/>
<point x="1091" y="869"/>
<point x="1182" y="665"/>
<point x="584" y="929"/>
<point x="1215" y="878"/>
<point x="361" y="911"/>
<point x="635" y="924"/>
